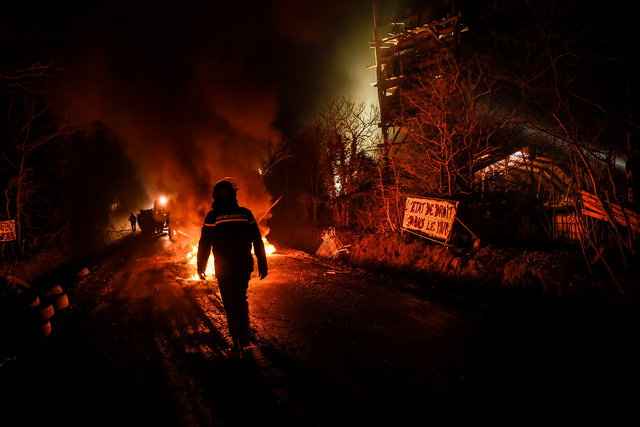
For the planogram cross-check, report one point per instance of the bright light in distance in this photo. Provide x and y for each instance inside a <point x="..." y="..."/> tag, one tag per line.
<point x="163" y="200"/>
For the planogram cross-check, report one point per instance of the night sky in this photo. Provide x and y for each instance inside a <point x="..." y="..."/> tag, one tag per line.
<point x="194" y="92"/>
<point x="197" y="91"/>
<point x="302" y="52"/>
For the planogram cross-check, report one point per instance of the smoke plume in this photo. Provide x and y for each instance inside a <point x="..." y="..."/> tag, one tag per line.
<point x="191" y="92"/>
<point x="187" y="117"/>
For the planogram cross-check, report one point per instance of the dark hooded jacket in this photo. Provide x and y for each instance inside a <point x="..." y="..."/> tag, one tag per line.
<point x="230" y="230"/>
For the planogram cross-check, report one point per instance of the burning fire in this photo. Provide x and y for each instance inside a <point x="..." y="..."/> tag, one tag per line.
<point x="192" y="257"/>
<point x="268" y="247"/>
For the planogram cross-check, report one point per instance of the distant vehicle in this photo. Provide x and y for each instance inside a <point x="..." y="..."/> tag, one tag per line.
<point x="153" y="221"/>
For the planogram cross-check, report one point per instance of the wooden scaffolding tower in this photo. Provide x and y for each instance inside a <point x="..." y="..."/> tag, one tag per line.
<point x="405" y="48"/>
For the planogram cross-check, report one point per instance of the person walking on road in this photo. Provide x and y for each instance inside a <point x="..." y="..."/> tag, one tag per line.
<point x="230" y="231"/>
<point x="132" y="220"/>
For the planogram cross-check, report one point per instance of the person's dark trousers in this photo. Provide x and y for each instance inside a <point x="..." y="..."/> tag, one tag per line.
<point x="233" y="289"/>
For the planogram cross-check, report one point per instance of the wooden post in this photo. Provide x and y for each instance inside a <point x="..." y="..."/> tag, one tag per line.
<point x="383" y="125"/>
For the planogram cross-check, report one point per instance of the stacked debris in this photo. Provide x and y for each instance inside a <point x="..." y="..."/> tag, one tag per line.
<point x="331" y="246"/>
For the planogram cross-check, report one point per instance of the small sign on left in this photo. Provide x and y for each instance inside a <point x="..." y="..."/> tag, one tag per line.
<point x="8" y="230"/>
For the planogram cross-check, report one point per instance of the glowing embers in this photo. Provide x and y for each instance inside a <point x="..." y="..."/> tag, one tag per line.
<point x="192" y="258"/>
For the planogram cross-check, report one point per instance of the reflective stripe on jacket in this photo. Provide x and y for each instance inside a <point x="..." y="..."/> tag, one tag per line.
<point x="230" y="230"/>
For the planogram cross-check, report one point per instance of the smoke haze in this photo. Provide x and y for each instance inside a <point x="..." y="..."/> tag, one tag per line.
<point x="184" y="106"/>
<point x="182" y="141"/>
<point x="193" y="92"/>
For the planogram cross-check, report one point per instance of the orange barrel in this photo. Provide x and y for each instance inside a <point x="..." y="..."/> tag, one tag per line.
<point x="46" y="311"/>
<point x="34" y="303"/>
<point x="45" y="328"/>
<point x="41" y="315"/>
<point x="57" y="297"/>
<point x="41" y="309"/>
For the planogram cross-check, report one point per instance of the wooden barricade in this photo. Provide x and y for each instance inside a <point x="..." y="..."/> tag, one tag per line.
<point x="591" y="206"/>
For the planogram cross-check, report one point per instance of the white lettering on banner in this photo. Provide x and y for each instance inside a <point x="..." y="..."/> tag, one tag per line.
<point x="433" y="217"/>
<point x="7" y="230"/>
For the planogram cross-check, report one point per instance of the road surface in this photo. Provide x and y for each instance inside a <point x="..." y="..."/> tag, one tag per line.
<point x="143" y="344"/>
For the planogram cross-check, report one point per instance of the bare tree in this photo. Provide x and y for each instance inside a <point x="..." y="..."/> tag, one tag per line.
<point x="316" y="184"/>
<point x="276" y="153"/>
<point x="30" y="128"/>
<point x="450" y="119"/>
<point x="296" y="168"/>
<point x="348" y="131"/>
<point x="587" y="131"/>
<point x="577" y="99"/>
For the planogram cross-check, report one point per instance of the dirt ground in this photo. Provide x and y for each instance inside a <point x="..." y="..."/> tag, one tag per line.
<point x="559" y="273"/>
<point x="144" y="344"/>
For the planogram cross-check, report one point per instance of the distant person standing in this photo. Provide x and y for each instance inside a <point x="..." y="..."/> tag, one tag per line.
<point x="230" y="230"/>
<point x="132" y="220"/>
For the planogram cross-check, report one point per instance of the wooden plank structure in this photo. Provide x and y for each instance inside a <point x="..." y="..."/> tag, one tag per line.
<point x="411" y="45"/>
<point x="593" y="207"/>
<point x="565" y="227"/>
<point x="550" y="175"/>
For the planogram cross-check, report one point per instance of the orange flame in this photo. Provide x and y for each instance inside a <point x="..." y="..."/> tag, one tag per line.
<point x="268" y="247"/>
<point x="192" y="258"/>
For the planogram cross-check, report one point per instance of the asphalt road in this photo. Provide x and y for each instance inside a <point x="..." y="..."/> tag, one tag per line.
<point x="143" y="344"/>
